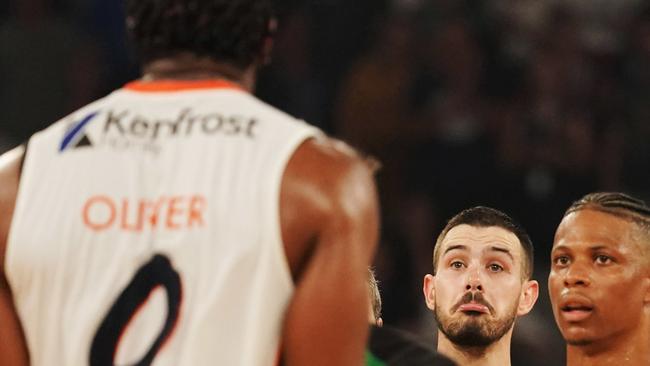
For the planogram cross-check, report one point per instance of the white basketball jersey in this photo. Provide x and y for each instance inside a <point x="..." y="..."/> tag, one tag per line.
<point x="146" y="230"/>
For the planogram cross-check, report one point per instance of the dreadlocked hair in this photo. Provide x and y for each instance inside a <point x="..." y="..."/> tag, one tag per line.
<point x="617" y="204"/>
<point x="231" y="31"/>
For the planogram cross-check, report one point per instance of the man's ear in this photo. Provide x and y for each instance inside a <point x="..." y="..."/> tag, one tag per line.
<point x="528" y="298"/>
<point x="429" y="290"/>
<point x="379" y="322"/>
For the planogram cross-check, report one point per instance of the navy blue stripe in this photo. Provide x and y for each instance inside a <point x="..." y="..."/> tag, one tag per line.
<point x="75" y="130"/>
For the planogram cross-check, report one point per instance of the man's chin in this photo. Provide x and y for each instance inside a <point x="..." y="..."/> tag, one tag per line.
<point x="470" y="333"/>
<point x="471" y="339"/>
<point x="579" y="341"/>
<point x="578" y="337"/>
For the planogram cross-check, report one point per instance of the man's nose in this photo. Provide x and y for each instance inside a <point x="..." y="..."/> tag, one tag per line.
<point x="577" y="275"/>
<point x="474" y="280"/>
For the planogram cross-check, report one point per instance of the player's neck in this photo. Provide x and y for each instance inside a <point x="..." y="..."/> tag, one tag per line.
<point x="498" y="353"/>
<point x="630" y="349"/>
<point x="186" y="66"/>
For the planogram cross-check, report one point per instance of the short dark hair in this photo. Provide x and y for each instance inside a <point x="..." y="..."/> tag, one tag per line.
<point x="231" y="31"/>
<point x="482" y="216"/>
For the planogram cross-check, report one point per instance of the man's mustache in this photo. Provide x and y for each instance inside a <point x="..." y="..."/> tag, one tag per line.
<point x="475" y="297"/>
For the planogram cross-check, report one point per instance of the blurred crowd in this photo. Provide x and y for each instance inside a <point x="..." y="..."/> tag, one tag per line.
<point x="523" y="105"/>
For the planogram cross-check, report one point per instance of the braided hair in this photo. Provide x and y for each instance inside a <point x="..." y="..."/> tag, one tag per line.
<point x="620" y="205"/>
<point x="617" y="204"/>
<point x="231" y="31"/>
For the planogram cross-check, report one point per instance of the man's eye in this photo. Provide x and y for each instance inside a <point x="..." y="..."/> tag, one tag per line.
<point x="457" y="265"/>
<point x="561" y="260"/>
<point x="603" y="259"/>
<point x="495" y="267"/>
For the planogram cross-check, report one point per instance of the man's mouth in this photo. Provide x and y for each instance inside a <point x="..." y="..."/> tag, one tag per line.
<point x="576" y="311"/>
<point x="473" y="308"/>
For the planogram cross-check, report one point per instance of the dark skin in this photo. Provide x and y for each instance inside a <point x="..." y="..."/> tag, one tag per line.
<point x="599" y="286"/>
<point x="13" y="350"/>
<point x="329" y="221"/>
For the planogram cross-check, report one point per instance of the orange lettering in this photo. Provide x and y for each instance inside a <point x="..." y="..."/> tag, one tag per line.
<point x="195" y="216"/>
<point x="153" y="217"/>
<point x="125" y="215"/>
<point x="95" y="225"/>
<point x="173" y="210"/>
<point x="136" y="215"/>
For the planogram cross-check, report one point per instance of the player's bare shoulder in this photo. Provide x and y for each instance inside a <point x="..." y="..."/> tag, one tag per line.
<point x="10" y="163"/>
<point x="334" y="164"/>
<point x="326" y="182"/>
<point x="328" y="175"/>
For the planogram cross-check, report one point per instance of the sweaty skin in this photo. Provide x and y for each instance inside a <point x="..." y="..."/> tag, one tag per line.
<point x="329" y="222"/>
<point x="599" y="285"/>
<point x="13" y="349"/>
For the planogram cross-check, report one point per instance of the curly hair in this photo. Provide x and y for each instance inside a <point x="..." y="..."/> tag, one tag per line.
<point x="231" y="31"/>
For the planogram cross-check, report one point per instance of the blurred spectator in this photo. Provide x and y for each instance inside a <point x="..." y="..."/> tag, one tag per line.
<point x="447" y="96"/>
<point x="289" y="82"/>
<point x="373" y="106"/>
<point x="636" y="171"/>
<point x="46" y="68"/>
<point x="104" y="22"/>
<point x="601" y="23"/>
<point x="373" y="115"/>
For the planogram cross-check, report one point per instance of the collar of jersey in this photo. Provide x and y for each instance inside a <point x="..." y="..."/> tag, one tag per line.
<point x="167" y="85"/>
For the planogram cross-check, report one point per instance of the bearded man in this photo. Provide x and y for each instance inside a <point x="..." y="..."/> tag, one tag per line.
<point x="481" y="283"/>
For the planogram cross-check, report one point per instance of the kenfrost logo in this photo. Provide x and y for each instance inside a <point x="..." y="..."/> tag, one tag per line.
<point x="185" y="123"/>
<point x="75" y="137"/>
<point x="127" y="130"/>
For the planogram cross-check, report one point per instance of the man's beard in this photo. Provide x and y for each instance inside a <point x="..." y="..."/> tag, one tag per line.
<point x="474" y="330"/>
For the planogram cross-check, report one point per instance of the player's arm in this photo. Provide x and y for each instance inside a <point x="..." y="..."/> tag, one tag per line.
<point x="13" y="350"/>
<point x="330" y="224"/>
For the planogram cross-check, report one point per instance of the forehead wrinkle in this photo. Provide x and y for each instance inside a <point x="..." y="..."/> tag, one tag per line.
<point x="598" y="238"/>
<point x="478" y="237"/>
<point x="455" y="247"/>
<point x="501" y="250"/>
<point x="488" y="246"/>
<point x="595" y="226"/>
<point x="483" y="239"/>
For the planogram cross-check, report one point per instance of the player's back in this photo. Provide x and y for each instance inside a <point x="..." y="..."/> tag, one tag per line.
<point x="147" y="227"/>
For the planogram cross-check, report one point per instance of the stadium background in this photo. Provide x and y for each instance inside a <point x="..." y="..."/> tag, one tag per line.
<point x="523" y="105"/>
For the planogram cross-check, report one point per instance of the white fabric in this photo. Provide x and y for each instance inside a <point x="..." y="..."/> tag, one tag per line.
<point x="193" y="175"/>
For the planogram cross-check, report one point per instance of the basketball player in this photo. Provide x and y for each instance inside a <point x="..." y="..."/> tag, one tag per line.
<point x="181" y="221"/>
<point x="599" y="282"/>
<point x="390" y="346"/>
<point x="482" y="264"/>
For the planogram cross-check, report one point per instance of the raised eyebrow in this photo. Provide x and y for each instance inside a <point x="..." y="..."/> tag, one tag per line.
<point x="454" y="247"/>
<point x="502" y="250"/>
<point x="598" y="247"/>
<point x="559" y="247"/>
